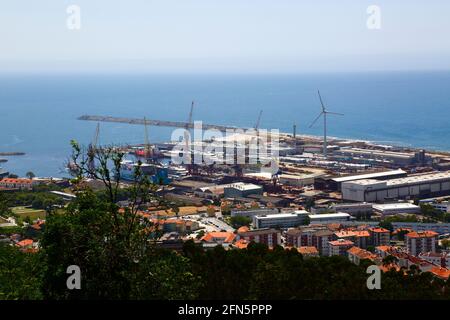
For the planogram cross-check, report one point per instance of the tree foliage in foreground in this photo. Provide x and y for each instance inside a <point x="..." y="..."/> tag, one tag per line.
<point x="115" y="250"/>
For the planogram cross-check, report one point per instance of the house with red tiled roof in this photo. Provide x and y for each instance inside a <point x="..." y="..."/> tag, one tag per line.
<point x="16" y="183"/>
<point x="26" y="243"/>
<point x="356" y="254"/>
<point x="308" y="252"/>
<point x="440" y="272"/>
<point x="241" y="244"/>
<point x="225" y="238"/>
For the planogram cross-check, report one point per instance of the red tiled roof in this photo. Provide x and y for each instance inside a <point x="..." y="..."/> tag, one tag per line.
<point x="361" y="253"/>
<point x="341" y="242"/>
<point x="241" y="244"/>
<point x="378" y="230"/>
<point x="308" y="250"/>
<point x="440" y="272"/>
<point x="25" y="243"/>
<point x="422" y="234"/>
<point x="14" y="180"/>
<point x="226" y="237"/>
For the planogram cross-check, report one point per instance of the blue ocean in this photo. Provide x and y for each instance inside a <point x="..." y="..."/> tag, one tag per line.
<point x="39" y="112"/>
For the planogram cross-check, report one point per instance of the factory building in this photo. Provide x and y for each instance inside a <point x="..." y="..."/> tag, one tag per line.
<point x="386" y="209"/>
<point x="414" y="186"/>
<point x="281" y="220"/>
<point x="335" y="183"/>
<point x="328" y="218"/>
<point x="242" y="190"/>
<point x="353" y="208"/>
<point x="250" y="213"/>
<point x="394" y="158"/>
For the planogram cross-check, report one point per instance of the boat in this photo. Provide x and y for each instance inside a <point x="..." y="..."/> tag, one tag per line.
<point x="157" y="173"/>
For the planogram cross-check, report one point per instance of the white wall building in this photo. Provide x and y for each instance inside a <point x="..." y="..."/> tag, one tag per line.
<point x="421" y="185"/>
<point x="328" y="218"/>
<point x="396" y="208"/>
<point x="280" y="220"/>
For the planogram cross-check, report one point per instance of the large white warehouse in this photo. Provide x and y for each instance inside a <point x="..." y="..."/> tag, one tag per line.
<point x="420" y="186"/>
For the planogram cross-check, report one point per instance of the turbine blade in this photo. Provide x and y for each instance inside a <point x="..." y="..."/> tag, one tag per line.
<point x="315" y="120"/>
<point x="321" y="102"/>
<point x="336" y="113"/>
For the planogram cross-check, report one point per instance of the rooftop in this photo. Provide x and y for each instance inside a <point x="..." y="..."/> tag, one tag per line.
<point x="392" y="206"/>
<point x="329" y="215"/>
<point x="422" y="234"/>
<point x="372" y="175"/>
<point x="412" y="179"/>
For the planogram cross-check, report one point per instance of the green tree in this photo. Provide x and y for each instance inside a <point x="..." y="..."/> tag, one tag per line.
<point x="20" y="274"/>
<point x="30" y="175"/>
<point x="114" y="247"/>
<point x="240" y="221"/>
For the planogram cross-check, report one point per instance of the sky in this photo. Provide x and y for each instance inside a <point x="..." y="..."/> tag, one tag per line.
<point x="214" y="36"/>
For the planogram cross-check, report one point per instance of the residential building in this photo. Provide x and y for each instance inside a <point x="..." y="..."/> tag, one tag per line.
<point x="356" y="254"/>
<point x="308" y="252"/>
<point x="19" y="183"/>
<point x="439" y="259"/>
<point x="269" y="237"/>
<point x="418" y="242"/>
<point x="339" y="247"/>
<point x="440" y="228"/>
<point x="361" y="238"/>
<point x="321" y="240"/>
<point x="223" y="238"/>
<point x="379" y="236"/>
<point x="302" y="236"/>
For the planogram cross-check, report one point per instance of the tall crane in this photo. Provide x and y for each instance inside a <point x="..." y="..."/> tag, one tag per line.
<point x="324" y="113"/>
<point x="190" y="166"/>
<point x="147" y="148"/>
<point x="258" y="120"/>
<point x="92" y="149"/>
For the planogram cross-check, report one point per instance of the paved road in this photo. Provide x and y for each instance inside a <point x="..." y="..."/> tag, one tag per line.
<point x="220" y="224"/>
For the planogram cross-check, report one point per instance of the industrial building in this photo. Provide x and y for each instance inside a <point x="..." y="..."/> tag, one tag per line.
<point x="328" y="218"/>
<point x="353" y="208"/>
<point x="242" y="190"/>
<point x="393" y="158"/>
<point x="396" y="208"/>
<point x="414" y="186"/>
<point x="335" y="183"/>
<point x="250" y="213"/>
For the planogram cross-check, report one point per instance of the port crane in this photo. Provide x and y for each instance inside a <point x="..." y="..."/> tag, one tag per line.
<point x="92" y="149"/>
<point x="258" y="121"/>
<point x="191" y="167"/>
<point x="324" y="113"/>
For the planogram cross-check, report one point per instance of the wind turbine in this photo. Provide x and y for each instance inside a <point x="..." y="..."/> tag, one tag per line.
<point x="324" y="113"/>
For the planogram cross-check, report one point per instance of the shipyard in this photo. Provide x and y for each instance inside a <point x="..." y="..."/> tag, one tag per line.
<point x="232" y="186"/>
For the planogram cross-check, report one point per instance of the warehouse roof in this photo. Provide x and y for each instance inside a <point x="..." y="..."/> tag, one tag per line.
<point x="372" y="175"/>
<point x="412" y="179"/>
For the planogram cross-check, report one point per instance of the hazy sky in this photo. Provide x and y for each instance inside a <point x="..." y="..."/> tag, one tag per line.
<point x="224" y="36"/>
